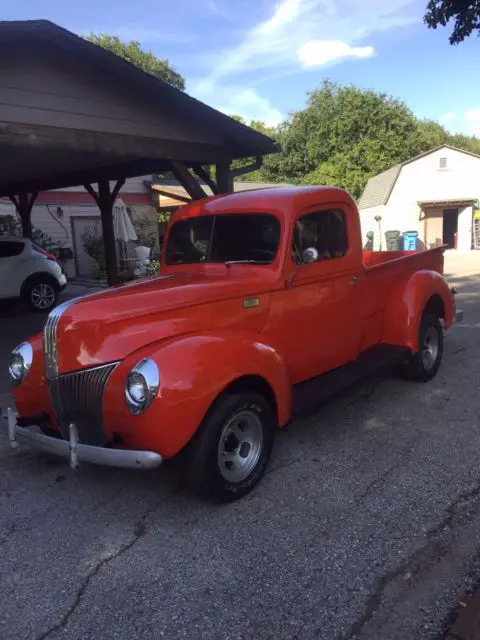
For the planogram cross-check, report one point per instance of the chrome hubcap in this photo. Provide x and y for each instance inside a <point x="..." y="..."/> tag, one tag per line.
<point x="240" y="446"/>
<point x="43" y="296"/>
<point x="430" y="348"/>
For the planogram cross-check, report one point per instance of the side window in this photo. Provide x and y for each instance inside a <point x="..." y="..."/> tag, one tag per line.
<point x="325" y="231"/>
<point x="10" y="249"/>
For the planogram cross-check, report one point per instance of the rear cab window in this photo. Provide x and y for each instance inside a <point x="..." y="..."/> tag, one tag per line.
<point x="325" y="231"/>
<point x="10" y="248"/>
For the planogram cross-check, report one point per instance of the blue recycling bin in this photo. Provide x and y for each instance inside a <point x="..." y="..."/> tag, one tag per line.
<point x="410" y="240"/>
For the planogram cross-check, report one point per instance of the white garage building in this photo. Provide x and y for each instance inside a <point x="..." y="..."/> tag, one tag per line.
<point x="435" y="194"/>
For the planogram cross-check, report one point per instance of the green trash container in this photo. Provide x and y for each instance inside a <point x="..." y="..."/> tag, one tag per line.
<point x="392" y="239"/>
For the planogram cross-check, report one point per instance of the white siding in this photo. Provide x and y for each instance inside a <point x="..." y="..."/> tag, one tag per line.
<point x="132" y="185"/>
<point x="423" y="180"/>
<point x="368" y="223"/>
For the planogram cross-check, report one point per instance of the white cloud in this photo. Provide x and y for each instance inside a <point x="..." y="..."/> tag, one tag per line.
<point x="473" y="115"/>
<point x="472" y="118"/>
<point x="295" y="35"/>
<point x="447" y="117"/>
<point x="248" y="104"/>
<point x="317" y="53"/>
<point x="238" y="100"/>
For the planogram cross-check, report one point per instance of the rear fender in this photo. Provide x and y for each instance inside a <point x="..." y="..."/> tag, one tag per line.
<point x="194" y="371"/>
<point x="407" y="303"/>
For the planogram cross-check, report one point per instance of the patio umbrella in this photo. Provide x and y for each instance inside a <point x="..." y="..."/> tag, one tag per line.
<point x="122" y="225"/>
<point x="124" y="231"/>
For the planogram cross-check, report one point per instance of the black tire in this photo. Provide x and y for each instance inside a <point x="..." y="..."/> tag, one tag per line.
<point x="33" y="290"/>
<point x="224" y="482"/>
<point x="419" y="367"/>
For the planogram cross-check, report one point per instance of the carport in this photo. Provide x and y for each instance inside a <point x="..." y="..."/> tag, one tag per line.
<point x="74" y="114"/>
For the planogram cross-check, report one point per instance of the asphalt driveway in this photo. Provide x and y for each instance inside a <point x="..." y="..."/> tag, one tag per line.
<point x="366" y="525"/>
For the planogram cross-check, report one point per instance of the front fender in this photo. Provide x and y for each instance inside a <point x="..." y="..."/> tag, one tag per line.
<point x="407" y="303"/>
<point x="194" y="370"/>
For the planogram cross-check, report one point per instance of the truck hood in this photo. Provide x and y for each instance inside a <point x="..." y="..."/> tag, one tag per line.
<point x="109" y="325"/>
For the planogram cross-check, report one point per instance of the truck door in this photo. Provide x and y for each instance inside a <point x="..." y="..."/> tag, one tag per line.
<point x="321" y="304"/>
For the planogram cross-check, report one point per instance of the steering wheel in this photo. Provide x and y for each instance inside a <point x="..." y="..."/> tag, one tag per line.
<point x="264" y="254"/>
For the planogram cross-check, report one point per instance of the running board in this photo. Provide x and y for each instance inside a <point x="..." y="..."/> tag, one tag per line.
<point x="311" y="394"/>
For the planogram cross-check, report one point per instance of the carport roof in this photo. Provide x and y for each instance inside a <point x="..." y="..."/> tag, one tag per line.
<point x="76" y="159"/>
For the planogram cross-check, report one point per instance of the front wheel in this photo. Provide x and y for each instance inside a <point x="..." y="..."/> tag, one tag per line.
<point x="231" y="450"/>
<point x="41" y="294"/>
<point x="423" y="365"/>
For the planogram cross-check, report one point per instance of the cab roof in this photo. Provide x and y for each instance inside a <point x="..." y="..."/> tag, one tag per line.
<point x="280" y="200"/>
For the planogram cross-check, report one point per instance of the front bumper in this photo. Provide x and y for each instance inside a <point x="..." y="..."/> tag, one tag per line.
<point x="76" y="452"/>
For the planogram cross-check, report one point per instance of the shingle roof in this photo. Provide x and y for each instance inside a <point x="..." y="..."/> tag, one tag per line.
<point x="378" y="189"/>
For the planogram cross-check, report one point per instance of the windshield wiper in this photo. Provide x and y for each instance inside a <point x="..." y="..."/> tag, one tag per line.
<point x="230" y="262"/>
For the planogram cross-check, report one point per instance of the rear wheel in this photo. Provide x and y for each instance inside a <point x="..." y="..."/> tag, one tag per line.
<point x="231" y="450"/>
<point x="41" y="294"/>
<point x="423" y="365"/>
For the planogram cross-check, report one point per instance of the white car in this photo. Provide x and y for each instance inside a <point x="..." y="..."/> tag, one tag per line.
<point x="30" y="273"/>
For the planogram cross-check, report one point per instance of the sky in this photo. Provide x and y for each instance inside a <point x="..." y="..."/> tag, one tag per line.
<point x="260" y="58"/>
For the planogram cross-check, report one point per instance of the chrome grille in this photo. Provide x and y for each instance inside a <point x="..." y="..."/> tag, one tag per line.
<point x="50" y="338"/>
<point x="77" y="397"/>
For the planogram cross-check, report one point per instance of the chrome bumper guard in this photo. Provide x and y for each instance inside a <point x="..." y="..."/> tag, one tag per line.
<point x="76" y="452"/>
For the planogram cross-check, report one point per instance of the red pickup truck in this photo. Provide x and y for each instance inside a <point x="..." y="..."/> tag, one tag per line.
<point x="265" y="305"/>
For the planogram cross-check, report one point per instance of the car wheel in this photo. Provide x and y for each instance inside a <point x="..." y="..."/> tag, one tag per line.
<point x="423" y="365"/>
<point x="231" y="450"/>
<point x="41" y="295"/>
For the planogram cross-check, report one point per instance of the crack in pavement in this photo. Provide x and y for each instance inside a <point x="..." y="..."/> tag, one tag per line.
<point x="139" y="531"/>
<point x="284" y="465"/>
<point x="12" y="529"/>
<point x="432" y="551"/>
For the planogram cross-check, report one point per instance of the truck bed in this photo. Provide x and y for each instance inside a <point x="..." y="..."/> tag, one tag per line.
<point x="431" y="258"/>
<point x="383" y="269"/>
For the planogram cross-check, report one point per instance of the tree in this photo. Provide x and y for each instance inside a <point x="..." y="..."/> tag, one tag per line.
<point x="464" y="13"/>
<point x="346" y="135"/>
<point x="144" y="60"/>
<point x="259" y="175"/>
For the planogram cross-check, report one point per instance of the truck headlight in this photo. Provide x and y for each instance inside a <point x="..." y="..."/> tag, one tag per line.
<point x="20" y="362"/>
<point x="142" y="385"/>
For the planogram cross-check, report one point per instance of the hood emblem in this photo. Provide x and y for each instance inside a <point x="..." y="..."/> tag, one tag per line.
<point x="248" y="303"/>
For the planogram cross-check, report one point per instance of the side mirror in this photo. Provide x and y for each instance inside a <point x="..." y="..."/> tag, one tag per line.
<point x="310" y="255"/>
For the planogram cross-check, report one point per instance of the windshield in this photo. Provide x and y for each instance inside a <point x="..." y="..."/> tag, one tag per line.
<point x="228" y="238"/>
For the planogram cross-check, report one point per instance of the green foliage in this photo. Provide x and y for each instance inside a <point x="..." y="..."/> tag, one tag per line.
<point x="464" y="13"/>
<point x="270" y="160"/>
<point x="11" y="226"/>
<point x="144" y="60"/>
<point x="345" y="135"/>
<point x="152" y="268"/>
<point x="93" y="244"/>
<point x="145" y="235"/>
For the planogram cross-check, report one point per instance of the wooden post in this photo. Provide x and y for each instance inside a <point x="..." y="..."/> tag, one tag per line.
<point x="224" y="178"/>
<point x="23" y="202"/>
<point x="105" y="201"/>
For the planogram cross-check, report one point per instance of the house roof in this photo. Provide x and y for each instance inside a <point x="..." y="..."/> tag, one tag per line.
<point x="379" y="188"/>
<point x="63" y="166"/>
